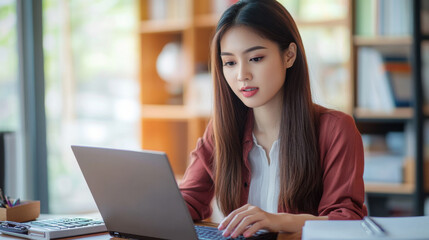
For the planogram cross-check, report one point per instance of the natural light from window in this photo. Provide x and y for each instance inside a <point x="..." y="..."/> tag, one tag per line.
<point x="91" y="89"/>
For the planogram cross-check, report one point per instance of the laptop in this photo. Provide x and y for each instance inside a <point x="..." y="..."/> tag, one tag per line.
<point x="138" y="197"/>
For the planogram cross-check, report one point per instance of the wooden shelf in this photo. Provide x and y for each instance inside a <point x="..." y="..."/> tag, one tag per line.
<point x="389" y="188"/>
<point x="165" y="112"/>
<point x="323" y="23"/>
<point x="166" y="127"/>
<point x="206" y="20"/>
<point x="170" y="112"/>
<point x="210" y="20"/>
<point x="382" y="41"/>
<point x="164" y="26"/>
<point x="398" y="113"/>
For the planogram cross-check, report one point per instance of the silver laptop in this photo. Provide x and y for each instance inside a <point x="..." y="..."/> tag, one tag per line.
<point x="136" y="193"/>
<point x="138" y="197"/>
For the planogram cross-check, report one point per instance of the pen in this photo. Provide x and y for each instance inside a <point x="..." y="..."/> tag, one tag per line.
<point x="16" y="202"/>
<point x="372" y="227"/>
<point x="8" y="201"/>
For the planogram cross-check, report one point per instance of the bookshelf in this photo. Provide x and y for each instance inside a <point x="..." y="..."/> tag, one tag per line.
<point x="372" y="31"/>
<point x="383" y="41"/>
<point x="386" y="188"/>
<point x="170" y="122"/>
<point x="401" y="113"/>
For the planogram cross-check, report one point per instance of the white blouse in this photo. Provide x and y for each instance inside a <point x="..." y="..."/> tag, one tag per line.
<point x="265" y="181"/>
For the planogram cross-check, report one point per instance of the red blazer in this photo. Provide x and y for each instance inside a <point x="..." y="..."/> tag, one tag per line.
<point x="341" y="156"/>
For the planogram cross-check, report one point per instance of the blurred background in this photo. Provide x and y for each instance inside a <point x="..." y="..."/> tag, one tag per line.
<point x="134" y="74"/>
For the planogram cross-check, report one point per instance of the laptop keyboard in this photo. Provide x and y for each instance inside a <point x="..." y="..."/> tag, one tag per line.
<point x="206" y="233"/>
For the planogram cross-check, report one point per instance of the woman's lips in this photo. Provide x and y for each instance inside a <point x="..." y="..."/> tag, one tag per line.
<point x="249" y="91"/>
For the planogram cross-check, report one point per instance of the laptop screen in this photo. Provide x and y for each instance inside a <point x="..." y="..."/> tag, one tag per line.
<point x="135" y="192"/>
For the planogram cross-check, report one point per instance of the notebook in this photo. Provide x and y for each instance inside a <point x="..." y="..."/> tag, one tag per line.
<point x="138" y="197"/>
<point x="375" y="228"/>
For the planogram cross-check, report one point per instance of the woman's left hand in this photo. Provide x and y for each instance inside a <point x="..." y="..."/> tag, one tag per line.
<point x="247" y="220"/>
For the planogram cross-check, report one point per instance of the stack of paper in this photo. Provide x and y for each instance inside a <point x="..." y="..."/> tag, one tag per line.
<point x="394" y="228"/>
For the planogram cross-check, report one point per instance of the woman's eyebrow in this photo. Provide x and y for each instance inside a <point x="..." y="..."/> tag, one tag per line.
<point x="245" y="51"/>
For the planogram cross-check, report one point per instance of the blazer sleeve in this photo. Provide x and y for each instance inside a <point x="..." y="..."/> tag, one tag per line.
<point x="343" y="163"/>
<point x="197" y="186"/>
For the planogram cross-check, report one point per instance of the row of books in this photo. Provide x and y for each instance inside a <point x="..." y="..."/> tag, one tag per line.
<point x="383" y="17"/>
<point x="167" y="9"/>
<point x="390" y="158"/>
<point x="385" y="156"/>
<point x="384" y="81"/>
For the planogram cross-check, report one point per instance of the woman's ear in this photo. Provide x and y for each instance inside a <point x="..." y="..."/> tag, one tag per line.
<point x="290" y="55"/>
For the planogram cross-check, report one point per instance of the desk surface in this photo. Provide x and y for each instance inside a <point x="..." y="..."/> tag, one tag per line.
<point x="106" y="236"/>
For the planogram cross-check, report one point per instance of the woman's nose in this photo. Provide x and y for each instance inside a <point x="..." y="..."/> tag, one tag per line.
<point x="244" y="74"/>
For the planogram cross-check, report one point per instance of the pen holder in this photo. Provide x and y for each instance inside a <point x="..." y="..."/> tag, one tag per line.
<point x="26" y="211"/>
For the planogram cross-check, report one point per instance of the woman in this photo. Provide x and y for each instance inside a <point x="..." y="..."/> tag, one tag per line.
<point x="272" y="157"/>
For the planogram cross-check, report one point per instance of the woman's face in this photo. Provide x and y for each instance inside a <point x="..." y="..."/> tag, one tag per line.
<point x="253" y="66"/>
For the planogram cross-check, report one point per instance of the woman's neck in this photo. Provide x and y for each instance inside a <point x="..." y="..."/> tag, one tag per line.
<point x="268" y="117"/>
<point x="267" y="121"/>
<point x="267" y="127"/>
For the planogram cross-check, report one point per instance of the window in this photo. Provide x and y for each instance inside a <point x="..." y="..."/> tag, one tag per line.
<point x="329" y="56"/>
<point x="91" y="89"/>
<point x="9" y="100"/>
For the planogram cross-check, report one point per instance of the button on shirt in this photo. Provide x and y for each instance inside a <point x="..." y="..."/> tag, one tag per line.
<point x="265" y="181"/>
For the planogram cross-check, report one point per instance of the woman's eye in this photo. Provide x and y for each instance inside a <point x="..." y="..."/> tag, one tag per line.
<point x="256" y="59"/>
<point x="228" y="63"/>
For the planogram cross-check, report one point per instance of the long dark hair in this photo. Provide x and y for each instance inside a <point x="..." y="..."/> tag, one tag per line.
<point x="300" y="168"/>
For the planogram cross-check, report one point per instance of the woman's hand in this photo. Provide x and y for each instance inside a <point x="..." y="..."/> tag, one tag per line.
<point x="247" y="220"/>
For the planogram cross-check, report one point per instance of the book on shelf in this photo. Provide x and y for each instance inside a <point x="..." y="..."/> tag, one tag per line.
<point x="365" y="17"/>
<point x="383" y="17"/>
<point x="168" y="9"/>
<point x="373" y="86"/>
<point x="384" y="157"/>
<point x="398" y="71"/>
<point x="383" y="168"/>
<point x="384" y="82"/>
